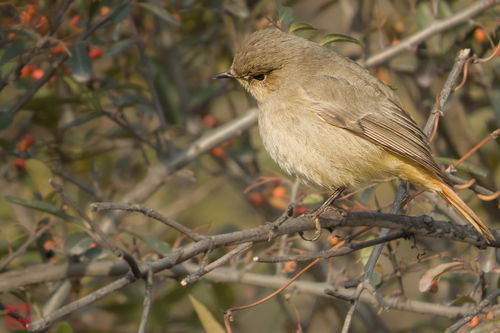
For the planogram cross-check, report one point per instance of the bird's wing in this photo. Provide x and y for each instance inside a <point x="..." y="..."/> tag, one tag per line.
<point x="372" y="113"/>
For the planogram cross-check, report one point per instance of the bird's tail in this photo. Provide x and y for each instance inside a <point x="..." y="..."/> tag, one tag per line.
<point x="457" y="203"/>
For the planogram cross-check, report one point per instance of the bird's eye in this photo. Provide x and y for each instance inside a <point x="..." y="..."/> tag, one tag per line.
<point x="259" y="77"/>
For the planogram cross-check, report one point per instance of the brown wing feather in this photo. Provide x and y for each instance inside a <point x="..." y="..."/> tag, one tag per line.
<point x="373" y="113"/>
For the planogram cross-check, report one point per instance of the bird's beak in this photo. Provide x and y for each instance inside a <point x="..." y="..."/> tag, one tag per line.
<point x="224" y="75"/>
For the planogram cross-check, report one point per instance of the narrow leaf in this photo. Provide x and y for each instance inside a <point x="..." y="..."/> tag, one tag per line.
<point x="206" y="317"/>
<point x="296" y="26"/>
<point x="285" y="14"/>
<point x="160" y="12"/>
<point x="155" y="243"/>
<point x="41" y="206"/>
<point x="237" y="9"/>
<point x="425" y="282"/>
<point x="119" y="47"/>
<point x="302" y="29"/>
<point x="78" y="243"/>
<point x="40" y="173"/>
<point x="80" y="64"/>
<point x="83" y="120"/>
<point x="119" y="14"/>
<point x="12" y="50"/>
<point x="337" y="38"/>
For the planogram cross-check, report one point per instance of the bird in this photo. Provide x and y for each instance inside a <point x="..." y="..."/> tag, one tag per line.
<point x="326" y="120"/>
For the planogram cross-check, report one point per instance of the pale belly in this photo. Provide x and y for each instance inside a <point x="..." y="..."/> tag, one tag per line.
<point x="319" y="153"/>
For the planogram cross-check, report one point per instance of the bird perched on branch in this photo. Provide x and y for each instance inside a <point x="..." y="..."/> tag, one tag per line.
<point x="327" y="120"/>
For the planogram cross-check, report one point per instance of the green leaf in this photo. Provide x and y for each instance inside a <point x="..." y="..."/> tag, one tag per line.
<point x="464" y="166"/>
<point x="80" y="64"/>
<point x="206" y="317"/>
<point x="119" y="47"/>
<point x="338" y="38"/>
<point x="78" y="243"/>
<point x="237" y="9"/>
<point x="302" y="29"/>
<point x="119" y="14"/>
<point x="155" y="243"/>
<point x="63" y="327"/>
<point x="160" y="12"/>
<point x="5" y="120"/>
<point x="40" y="173"/>
<point x="11" y="50"/>
<point x="83" y="120"/>
<point x="285" y="14"/>
<point x="312" y="199"/>
<point x="41" y="206"/>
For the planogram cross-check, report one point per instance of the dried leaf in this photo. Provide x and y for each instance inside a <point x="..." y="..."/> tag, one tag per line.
<point x="432" y="274"/>
<point x="206" y="317"/>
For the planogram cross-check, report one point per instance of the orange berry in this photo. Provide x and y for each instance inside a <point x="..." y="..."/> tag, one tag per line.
<point x="434" y="286"/>
<point x="92" y="245"/>
<point x="11" y="36"/>
<point x="299" y="210"/>
<point x="26" y="71"/>
<point x="42" y="24"/>
<point x="480" y="35"/>
<point x="19" y="164"/>
<point x="27" y="14"/>
<point x="104" y="10"/>
<point x="209" y="121"/>
<point x="473" y="322"/>
<point x="26" y="142"/>
<point x="290" y="266"/>
<point x="95" y="52"/>
<point x="279" y="192"/>
<point x="255" y="198"/>
<point x="31" y="9"/>
<point x="37" y="74"/>
<point x="333" y="240"/>
<point x="59" y="48"/>
<point x="75" y="20"/>
<point x="218" y="152"/>
<point x="395" y="42"/>
<point x="177" y="16"/>
<point x="49" y="245"/>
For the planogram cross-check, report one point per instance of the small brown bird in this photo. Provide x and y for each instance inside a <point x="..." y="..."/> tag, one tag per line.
<point x="327" y="120"/>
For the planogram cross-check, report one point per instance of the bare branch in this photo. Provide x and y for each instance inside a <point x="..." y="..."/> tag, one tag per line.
<point x="104" y="206"/>
<point x="442" y="98"/>
<point x="437" y="27"/>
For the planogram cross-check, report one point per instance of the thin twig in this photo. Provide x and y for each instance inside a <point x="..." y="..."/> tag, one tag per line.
<point x="148" y="295"/>
<point x="104" y="206"/>
<point x="435" y="28"/>
<point x="217" y="263"/>
<point x="484" y="303"/>
<point x="491" y="136"/>
<point x="6" y="261"/>
<point x="342" y="251"/>
<point x="374" y="256"/>
<point x="445" y="92"/>
<point x="102" y="239"/>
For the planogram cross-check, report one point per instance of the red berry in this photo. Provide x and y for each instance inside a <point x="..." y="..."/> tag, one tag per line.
<point x="37" y="74"/>
<point x="19" y="164"/>
<point x="95" y="52"/>
<point x="26" y="142"/>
